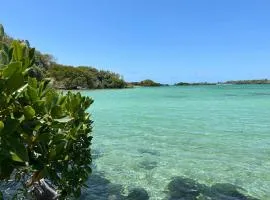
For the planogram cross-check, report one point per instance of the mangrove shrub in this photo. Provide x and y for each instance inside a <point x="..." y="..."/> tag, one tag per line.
<point x="44" y="134"/>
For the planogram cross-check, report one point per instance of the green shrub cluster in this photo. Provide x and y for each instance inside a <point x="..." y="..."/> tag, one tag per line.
<point x="146" y="83"/>
<point x="68" y="77"/>
<point x="43" y="133"/>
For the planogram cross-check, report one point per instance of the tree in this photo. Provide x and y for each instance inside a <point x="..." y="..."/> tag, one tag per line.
<point x="44" y="135"/>
<point x="69" y="77"/>
<point x="149" y="83"/>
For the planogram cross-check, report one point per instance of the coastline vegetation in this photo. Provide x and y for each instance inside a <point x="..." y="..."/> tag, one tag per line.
<point x="70" y="77"/>
<point x="44" y="134"/>
<point x="237" y="82"/>
<point x="82" y="77"/>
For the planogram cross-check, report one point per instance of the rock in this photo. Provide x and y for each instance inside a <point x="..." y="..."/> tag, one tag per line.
<point x="138" y="194"/>
<point x="100" y="188"/>
<point x="226" y="191"/>
<point x="184" y="188"/>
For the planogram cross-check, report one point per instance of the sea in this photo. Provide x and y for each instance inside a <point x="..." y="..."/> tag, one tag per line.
<point x="180" y="142"/>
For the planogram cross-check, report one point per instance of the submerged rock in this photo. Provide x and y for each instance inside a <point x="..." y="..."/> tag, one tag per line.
<point x="138" y="194"/>
<point x="100" y="188"/>
<point x="181" y="188"/>
<point x="226" y="191"/>
<point x="148" y="164"/>
<point x="184" y="188"/>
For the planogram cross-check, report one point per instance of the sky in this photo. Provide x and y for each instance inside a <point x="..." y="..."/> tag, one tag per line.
<point x="165" y="40"/>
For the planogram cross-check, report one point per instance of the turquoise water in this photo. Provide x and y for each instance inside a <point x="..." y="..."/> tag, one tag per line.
<point x="211" y="134"/>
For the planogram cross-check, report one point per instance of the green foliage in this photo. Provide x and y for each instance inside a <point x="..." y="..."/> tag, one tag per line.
<point x="65" y="77"/>
<point x="68" y="77"/>
<point x="43" y="133"/>
<point x="146" y="83"/>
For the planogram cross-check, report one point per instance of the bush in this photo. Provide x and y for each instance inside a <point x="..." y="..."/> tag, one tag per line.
<point x="43" y="133"/>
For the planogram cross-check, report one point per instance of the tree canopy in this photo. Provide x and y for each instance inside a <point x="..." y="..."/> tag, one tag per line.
<point x="146" y="83"/>
<point x="70" y="77"/>
<point x="82" y="77"/>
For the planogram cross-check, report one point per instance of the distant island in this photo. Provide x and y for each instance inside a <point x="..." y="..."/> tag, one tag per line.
<point x="188" y="84"/>
<point x="259" y="81"/>
<point x="238" y="82"/>
<point x="147" y="83"/>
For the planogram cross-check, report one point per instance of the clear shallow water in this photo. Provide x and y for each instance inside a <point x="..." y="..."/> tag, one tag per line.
<point x="211" y="134"/>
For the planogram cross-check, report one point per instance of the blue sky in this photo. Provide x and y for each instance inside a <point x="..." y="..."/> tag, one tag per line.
<point x="164" y="40"/>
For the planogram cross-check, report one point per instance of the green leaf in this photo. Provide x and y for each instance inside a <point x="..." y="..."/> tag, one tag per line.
<point x="43" y="138"/>
<point x="29" y="112"/>
<point x="32" y="94"/>
<point x="10" y="127"/>
<point x="12" y="68"/>
<point x="1" y="125"/>
<point x="18" y="51"/>
<point x="57" y="111"/>
<point x="32" y="82"/>
<point x="15" y="157"/>
<point x="52" y="154"/>
<point x="18" y="151"/>
<point x="60" y="148"/>
<point x="16" y="82"/>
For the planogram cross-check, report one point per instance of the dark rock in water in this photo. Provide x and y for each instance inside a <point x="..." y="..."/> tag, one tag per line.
<point x="100" y="188"/>
<point x="147" y="164"/>
<point x="187" y="189"/>
<point x="184" y="188"/>
<point x="226" y="191"/>
<point x="138" y="194"/>
<point x="149" y="151"/>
